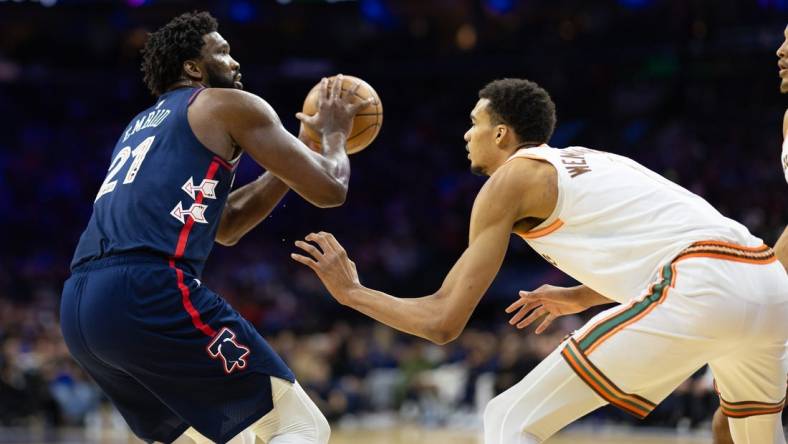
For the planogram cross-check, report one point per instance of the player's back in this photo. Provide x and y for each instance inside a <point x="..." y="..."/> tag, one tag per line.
<point x="616" y="222"/>
<point x="164" y="192"/>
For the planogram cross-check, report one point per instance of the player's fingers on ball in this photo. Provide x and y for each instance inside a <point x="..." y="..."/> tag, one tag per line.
<point x="336" y="87"/>
<point x="309" y="248"/>
<point x="355" y="87"/>
<point x="324" y="91"/>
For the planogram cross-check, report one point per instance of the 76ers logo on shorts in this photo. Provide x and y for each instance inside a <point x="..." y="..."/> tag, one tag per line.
<point x="232" y="353"/>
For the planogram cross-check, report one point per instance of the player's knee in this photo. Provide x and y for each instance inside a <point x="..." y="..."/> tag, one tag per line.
<point x="503" y="425"/>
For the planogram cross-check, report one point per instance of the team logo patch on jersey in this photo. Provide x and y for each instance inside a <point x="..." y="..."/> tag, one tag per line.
<point x="207" y="188"/>
<point x="226" y="347"/>
<point x="196" y="211"/>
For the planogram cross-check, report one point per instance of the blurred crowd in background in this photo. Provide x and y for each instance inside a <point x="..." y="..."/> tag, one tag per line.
<point x="687" y="88"/>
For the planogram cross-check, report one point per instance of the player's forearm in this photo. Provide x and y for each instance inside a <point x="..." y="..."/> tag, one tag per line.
<point x="337" y="164"/>
<point x="248" y="206"/>
<point x="590" y="298"/>
<point x="421" y="317"/>
<point x="781" y="248"/>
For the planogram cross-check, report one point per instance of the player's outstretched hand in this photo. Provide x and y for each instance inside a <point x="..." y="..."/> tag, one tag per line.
<point x="549" y="301"/>
<point x="335" y="108"/>
<point x="330" y="262"/>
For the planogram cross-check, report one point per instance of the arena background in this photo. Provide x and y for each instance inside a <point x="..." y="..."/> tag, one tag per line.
<point x="687" y="87"/>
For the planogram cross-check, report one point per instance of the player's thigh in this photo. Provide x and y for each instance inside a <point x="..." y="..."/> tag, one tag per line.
<point x="751" y="381"/>
<point x="146" y="415"/>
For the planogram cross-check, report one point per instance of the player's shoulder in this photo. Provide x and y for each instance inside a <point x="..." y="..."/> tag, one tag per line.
<point x="518" y="177"/>
<point x="232" y="104"/>
<point x="518" y="172"/>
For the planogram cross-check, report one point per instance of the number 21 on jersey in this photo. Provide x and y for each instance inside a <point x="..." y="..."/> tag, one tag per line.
<point x="120" y="159"/>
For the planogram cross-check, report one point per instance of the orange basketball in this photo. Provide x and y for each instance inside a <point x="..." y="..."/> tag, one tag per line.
<point x="366" y="124"/>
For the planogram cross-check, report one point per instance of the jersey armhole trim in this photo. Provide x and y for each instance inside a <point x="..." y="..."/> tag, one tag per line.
<point x="228" y="165"/>
<point x="534" y="234"/>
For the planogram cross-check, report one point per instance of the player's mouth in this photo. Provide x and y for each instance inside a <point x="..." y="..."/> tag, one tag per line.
<point x="237" y="81"/>
<point x="783" y="65"/>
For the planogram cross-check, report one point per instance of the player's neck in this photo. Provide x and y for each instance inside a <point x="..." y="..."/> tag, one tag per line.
<point x="186" y="83"/>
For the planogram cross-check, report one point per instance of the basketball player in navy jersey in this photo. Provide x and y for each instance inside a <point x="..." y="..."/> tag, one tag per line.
<point x="175" y="359"/>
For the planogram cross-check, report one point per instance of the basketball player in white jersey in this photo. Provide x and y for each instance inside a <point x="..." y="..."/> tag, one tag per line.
<point x="693" y="286"/>
<point x="720" y="424"/>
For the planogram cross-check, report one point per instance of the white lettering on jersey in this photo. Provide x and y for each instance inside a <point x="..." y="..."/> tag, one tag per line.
<point x="196" y="211"/>
<point x="207" y="188"/>
<point x="150" y="120"/>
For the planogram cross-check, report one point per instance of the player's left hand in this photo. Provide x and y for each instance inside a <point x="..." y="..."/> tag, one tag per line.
<point x="549" y="301"/>
<point x="330" y="262"/>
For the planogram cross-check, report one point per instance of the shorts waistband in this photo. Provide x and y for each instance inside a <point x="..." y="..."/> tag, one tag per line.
<point x="120" y="259"/>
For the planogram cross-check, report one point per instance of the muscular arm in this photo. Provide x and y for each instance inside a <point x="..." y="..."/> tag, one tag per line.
<point x="441" y="316"/>
<point x="248" y="206"/>
<point x="252" y="124"/>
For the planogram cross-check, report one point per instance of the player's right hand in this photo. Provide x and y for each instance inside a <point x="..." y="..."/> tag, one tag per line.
<point x="335" y="109"/>
<point x="549" y="301"/>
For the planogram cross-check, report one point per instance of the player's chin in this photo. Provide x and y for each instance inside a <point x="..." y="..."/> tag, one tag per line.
<point x="238" y="85"/>
<point x="784" y="86"/>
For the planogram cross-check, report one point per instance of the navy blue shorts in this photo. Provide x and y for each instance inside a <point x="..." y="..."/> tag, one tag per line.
<point x="168" y="352"/>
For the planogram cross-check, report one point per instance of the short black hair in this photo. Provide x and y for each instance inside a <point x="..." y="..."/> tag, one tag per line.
<point x="171" y="45"/>
<point x="522" y="105"/>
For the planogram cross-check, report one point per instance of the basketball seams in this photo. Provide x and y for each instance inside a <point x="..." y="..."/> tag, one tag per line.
<point x="362" y="131"/>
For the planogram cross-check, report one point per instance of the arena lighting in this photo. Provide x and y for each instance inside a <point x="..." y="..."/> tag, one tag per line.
<point x="500" y="6"/>
<point x="242" y="11"/>
<point x="135" y="3"/>
<point x="47" y="3"/>
<point x="635" y="4"/>
<point x="780" y="5"/>
<point x="374" y="11"/>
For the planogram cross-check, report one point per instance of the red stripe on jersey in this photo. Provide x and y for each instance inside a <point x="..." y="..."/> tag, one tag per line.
<point x="179" y="250"/>
<point x="187" y="303"/>
<point x="187" y="227"/>
<point x="223" y="162"/>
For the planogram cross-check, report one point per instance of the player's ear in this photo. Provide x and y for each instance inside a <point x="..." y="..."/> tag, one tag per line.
<point x="192" y="70"/>
<point x="500" y="133"/>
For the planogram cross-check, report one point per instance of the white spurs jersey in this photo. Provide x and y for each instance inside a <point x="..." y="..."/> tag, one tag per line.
<point x="616" y="222"/>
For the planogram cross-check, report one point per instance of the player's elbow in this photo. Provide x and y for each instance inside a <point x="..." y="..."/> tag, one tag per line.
<point x="441" y="332"/>
<point x="332" y="196"/>
<point x="227" y="241"/>
<point x="443" y="337"/>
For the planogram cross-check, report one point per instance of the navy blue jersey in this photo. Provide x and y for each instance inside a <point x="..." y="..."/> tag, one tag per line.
<point x="164" y="192"/>
<point x="169" y="352"/>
